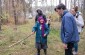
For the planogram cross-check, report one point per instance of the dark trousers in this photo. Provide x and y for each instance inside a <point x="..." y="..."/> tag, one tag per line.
<point x="38" y="51"/>
<point x="69" y="50"/>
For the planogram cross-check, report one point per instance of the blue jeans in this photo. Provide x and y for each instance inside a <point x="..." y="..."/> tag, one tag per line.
<point x="76" y="47"/>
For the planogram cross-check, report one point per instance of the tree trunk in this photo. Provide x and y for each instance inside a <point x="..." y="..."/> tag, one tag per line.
<point x="66" y="3"/>
<point x="24" y="9"/>
<point x="6" y="8"/>
<point x="30" y="9"/>
<point x="0" y="23"/>
<point x="51" y="6"/>
<point x="0" y="13"/>
<point x="84" y="9"/>
<point x="59" y="1"/>
<point x="74" y="3"/>
<point x="71" y="4"/>
<point x="14" y="11"/>
<point x="36" y="4"/>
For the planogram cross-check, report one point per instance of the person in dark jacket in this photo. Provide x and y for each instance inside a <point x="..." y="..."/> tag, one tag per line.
<point x="69" y="31"/>
<point x="40" y="14"/>
<point x="42" y="31"/>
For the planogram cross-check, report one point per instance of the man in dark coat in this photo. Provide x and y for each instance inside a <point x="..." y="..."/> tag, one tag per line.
<point x="40" y="13"/>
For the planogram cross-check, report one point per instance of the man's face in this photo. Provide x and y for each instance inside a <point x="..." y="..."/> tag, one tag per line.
<point x="59" y="11"/>
<point x="39" y="12"/>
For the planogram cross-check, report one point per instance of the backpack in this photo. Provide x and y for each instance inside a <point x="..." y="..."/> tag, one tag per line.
<point x="77" y="14"/>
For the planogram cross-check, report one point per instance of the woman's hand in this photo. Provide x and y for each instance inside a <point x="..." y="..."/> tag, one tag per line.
<point x="44" y="35"/>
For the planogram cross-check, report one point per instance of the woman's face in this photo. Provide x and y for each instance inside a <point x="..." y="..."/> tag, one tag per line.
<point x="73" y="12"/>
<point x="41" y="21"/>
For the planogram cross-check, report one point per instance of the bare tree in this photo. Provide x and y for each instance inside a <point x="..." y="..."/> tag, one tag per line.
<point x="84" y="9"/>
<point x="30" y="7"/>
<point x="0" y="13"/>
<point x="66" y="3"/>
<point x="36" y="4"/>
<point x="24" y="8"/>
<point x="74" y="3"/>
<point x="6" y="7"/>
<point x="14" y="11"/>
<point x="59" y="1"/>
<point x="51" y="6"/>
<point x="71" y="4"/>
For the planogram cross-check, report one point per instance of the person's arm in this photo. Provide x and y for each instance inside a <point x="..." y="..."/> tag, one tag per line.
<point x="47" y="30"/>
<point x="34" y="29"/>
<point x="80" y="21"/>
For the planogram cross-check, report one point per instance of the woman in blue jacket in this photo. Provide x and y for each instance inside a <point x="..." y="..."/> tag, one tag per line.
<point x="42" y="31"/>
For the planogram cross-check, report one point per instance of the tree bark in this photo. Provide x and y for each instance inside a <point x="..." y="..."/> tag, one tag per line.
<point x="84" y="9"/>
<point x="14" y="11"/>
<point x="24" y="9"/>
<point x="74" y="3"/>
<point x="59" y="1"/>
<point x="66" y="3"/>
<point x="0" y="13"/>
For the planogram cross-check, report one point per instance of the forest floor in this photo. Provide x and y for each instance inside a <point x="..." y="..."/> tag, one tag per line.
<point x="9" y="36"/>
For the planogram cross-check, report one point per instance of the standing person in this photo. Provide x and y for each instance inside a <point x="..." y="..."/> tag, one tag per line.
<point x="42" y="31"/>
<point x="80" y="23"/>
<point x="79" y="15"/>
<point x="40" y="14"/>
<point x="69" y="31"/>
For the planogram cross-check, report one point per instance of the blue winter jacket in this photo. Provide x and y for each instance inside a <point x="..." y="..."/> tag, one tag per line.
<point x="39" y="38"/>
<point x="69" y="31"/>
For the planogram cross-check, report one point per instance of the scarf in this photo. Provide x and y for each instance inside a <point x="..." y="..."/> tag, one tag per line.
<point x="42" y="25"/>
